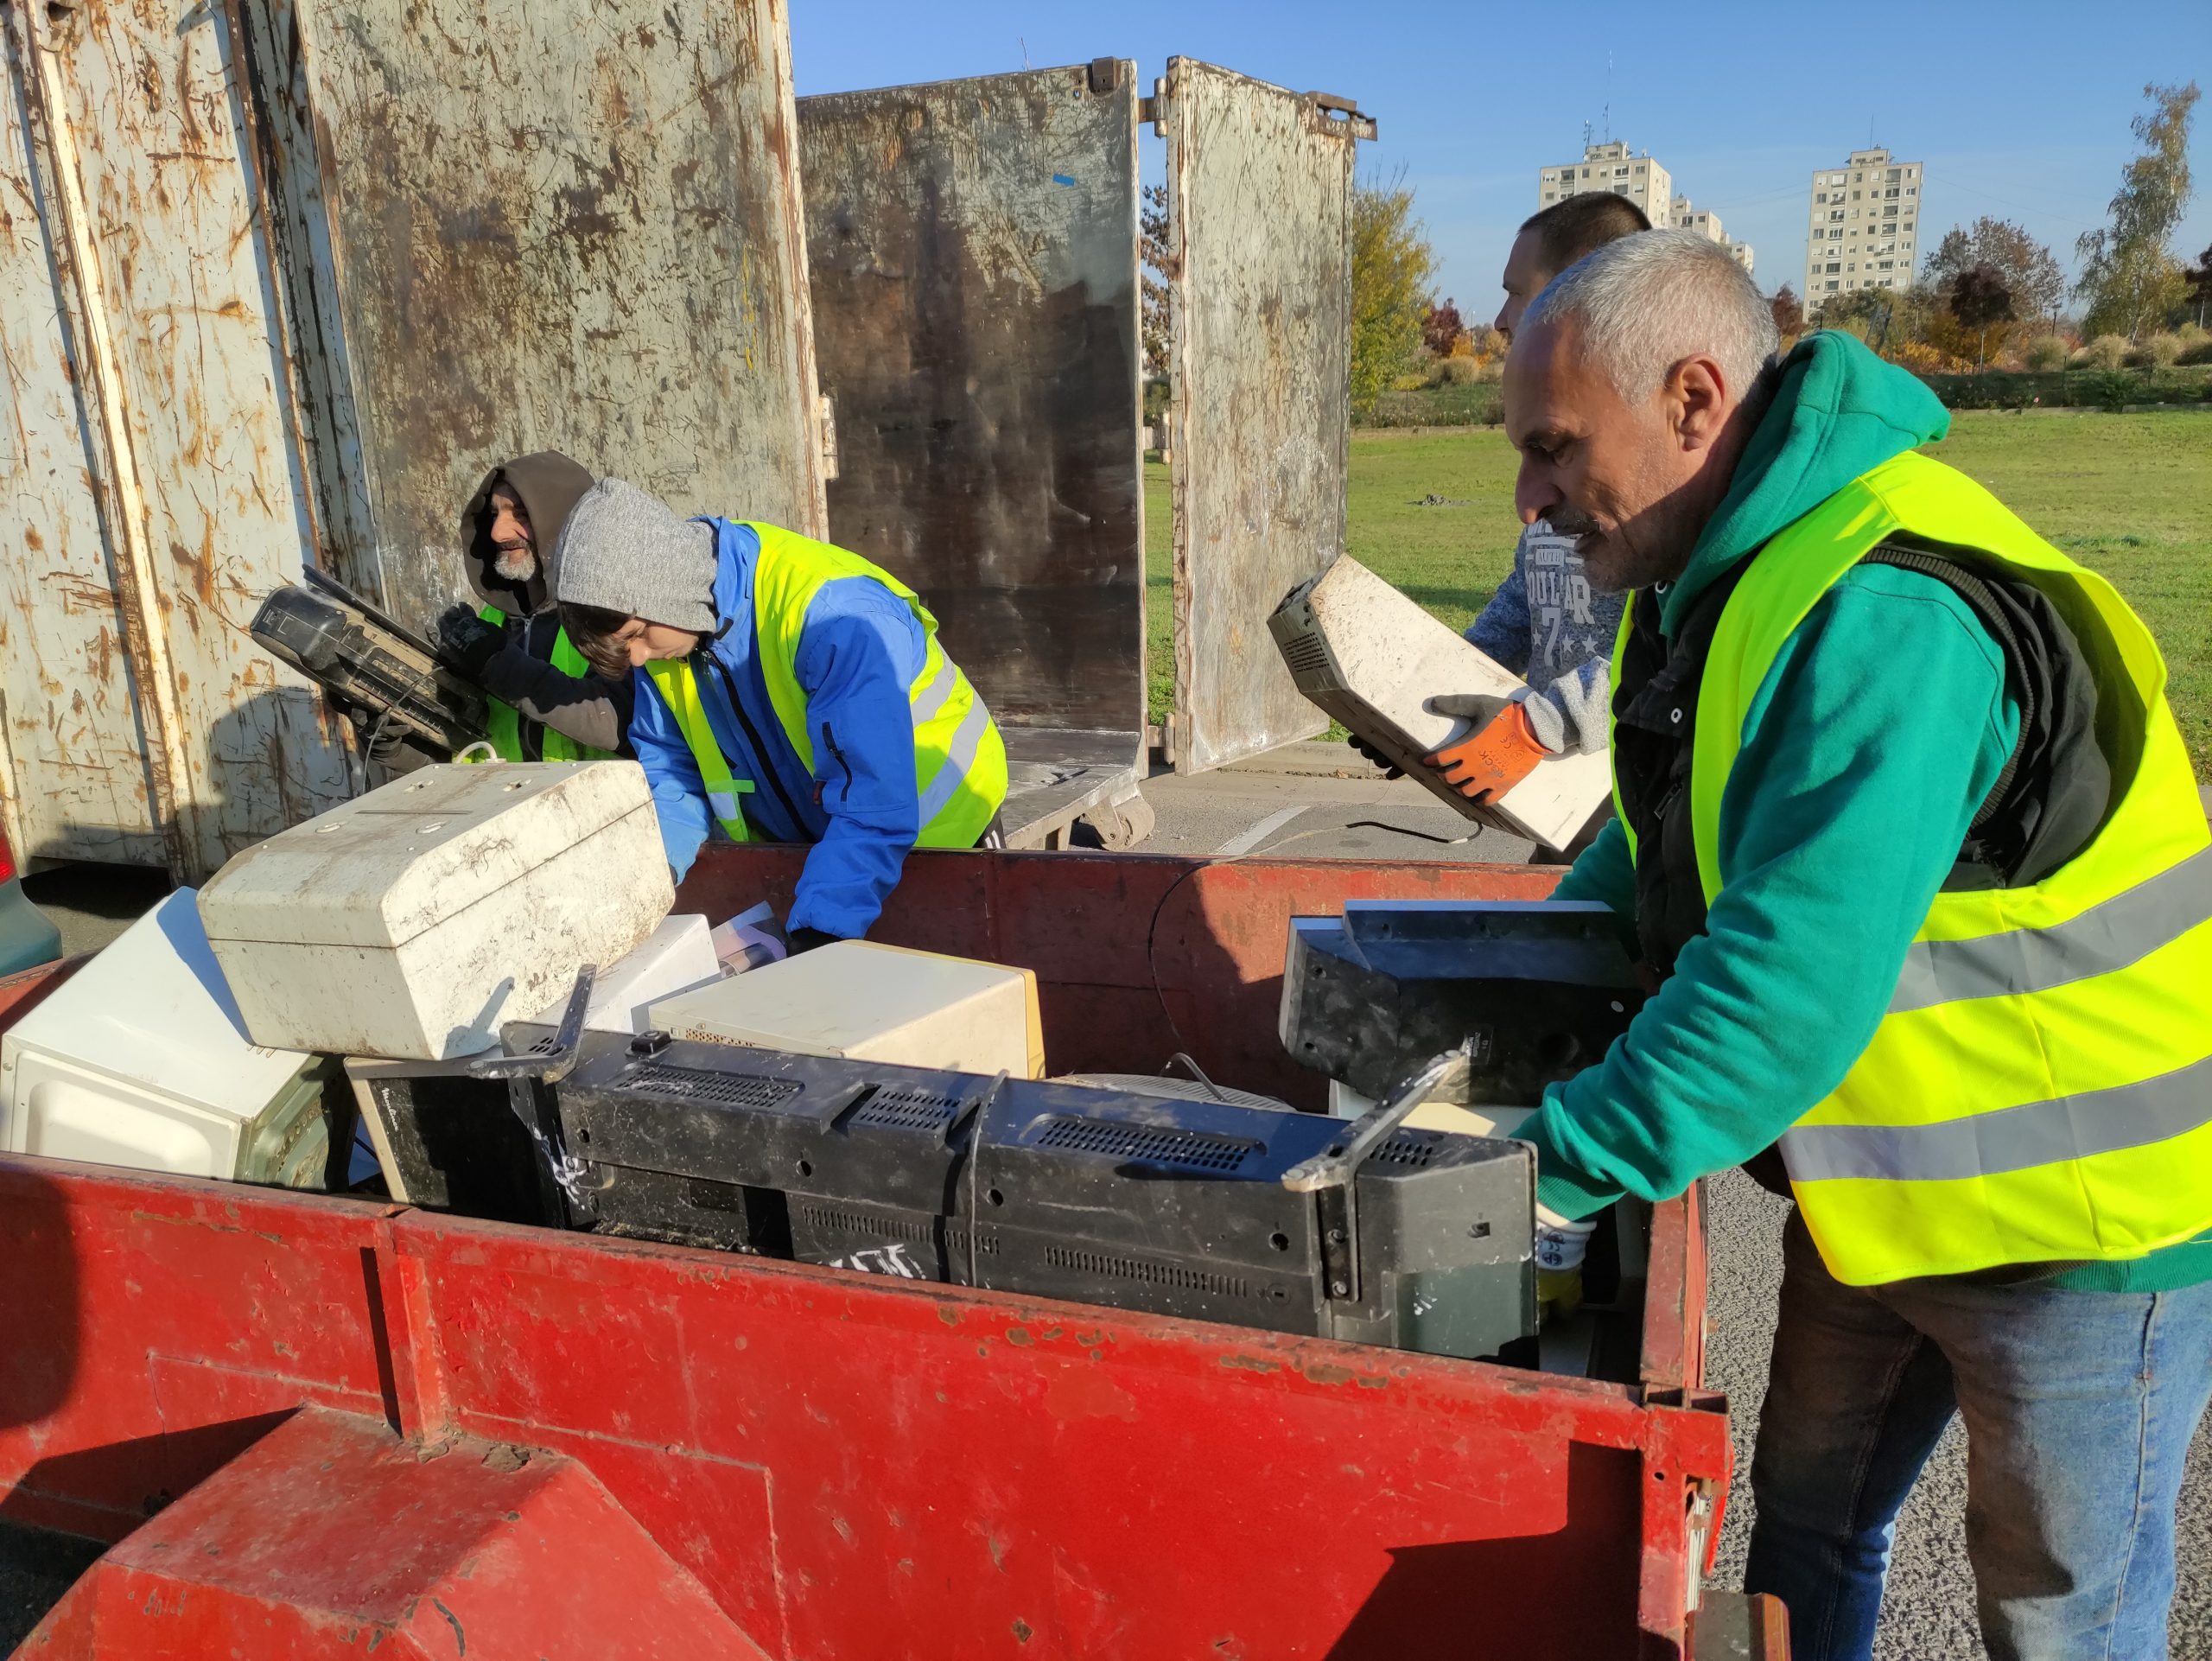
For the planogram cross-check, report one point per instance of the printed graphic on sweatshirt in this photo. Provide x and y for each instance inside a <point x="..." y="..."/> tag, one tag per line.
<point x="1566" y="633"/>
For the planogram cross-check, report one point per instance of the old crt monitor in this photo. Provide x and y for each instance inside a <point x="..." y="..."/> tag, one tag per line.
<point x="1101" y="1196"/>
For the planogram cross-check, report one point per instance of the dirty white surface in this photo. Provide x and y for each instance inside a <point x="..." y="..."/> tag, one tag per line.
<point x="586" y="239"/>
<point x="1259" y="193"/>
<point x="1371" y="658"/>
<point x="414" y="921"/>
<point x="149" y="477"/>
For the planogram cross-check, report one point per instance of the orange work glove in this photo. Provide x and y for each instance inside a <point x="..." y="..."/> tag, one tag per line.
<point x="1493" y="758"/>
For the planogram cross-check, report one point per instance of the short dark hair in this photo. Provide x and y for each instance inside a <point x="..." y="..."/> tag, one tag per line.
<point x="1581" y="225"/>
<point x="591" y="630"/>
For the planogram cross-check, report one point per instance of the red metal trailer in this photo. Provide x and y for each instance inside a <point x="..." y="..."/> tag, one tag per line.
<point x="320" y="1425"/>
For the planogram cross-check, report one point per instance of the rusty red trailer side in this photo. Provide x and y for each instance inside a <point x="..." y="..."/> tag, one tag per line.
<point x="846" y="1466"/>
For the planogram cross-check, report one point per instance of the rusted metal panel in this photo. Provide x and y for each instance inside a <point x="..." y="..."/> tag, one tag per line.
<point x="74" y="781"/>
<point x="973" y="252"/>
<point x="140" y="149"/>
<point x="567" y="225"/>
<point x="1259" y="186"/>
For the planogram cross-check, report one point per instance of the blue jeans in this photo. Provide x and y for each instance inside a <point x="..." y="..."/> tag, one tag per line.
<point x="2079" y="1410"/>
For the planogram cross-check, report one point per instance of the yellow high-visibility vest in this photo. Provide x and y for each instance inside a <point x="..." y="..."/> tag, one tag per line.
<point x="959" y="758"/>
<point x="2040" y="1089"/>
<point x="505" y="721"/>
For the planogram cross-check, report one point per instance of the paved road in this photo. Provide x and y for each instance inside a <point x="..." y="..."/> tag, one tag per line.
<point x="1320" y="801"/>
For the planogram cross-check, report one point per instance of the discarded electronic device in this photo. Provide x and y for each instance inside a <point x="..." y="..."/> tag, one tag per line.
<point x="870" y="1003"/>
<point x="1290" y="1222"/>
<point x="1536" y="989"/>
<point x="368" y="661"/>
<point x="141" y="1060"/>
<point x="677" y="957"/>
<point x="414" y="921"/>
<point x="1372" y="659"/>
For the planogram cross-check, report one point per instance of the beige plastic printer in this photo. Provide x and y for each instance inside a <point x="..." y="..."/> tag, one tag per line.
<point x="869" y="1002"/>
<point x="413" y="921"/>
<point x="1372" y="659"/>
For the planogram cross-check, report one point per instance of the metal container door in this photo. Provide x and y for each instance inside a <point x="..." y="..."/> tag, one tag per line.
<point x="152" y="471"/>
<point x="1258" y="203"/>
<point x="973" y="249"/>
<point x="561" y="224"/>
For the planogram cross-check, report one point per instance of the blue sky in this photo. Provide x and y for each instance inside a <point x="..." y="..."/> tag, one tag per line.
<point x="2019" y="111"/>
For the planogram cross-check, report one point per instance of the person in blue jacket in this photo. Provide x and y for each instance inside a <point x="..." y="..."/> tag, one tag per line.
<point x="788" y="691"/>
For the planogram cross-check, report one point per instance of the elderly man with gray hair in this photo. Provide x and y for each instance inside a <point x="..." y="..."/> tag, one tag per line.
<point x="1912" y="851"/>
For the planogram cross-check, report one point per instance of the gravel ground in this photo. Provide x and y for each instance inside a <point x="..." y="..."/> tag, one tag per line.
<point x="35" y="1569"/>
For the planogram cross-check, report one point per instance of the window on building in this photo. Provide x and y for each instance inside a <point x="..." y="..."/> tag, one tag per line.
<point x="1912" y="190"/>
<point x="1850" y="268"/>
<point x="1585" y="173"/>
<point x="1832" y="267"/>
<point x="1896" y="173"/>
<point x="1888" y="283"/>
<point x="1835" y="214"/>
<point x="1835" y="236"/>
<point x="1830" y="285"/>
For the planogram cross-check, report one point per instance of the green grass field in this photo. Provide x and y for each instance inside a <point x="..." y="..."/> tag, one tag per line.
<point x="2128" y="495"/>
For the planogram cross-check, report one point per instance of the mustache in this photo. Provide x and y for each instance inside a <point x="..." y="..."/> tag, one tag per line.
<point x="1572" y="525"/>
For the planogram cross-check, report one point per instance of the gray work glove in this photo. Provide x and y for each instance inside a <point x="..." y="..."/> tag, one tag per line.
<point x="1545" y="725"/>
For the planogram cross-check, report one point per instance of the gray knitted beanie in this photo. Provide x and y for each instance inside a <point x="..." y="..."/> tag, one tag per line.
<point x="624" y="550"/>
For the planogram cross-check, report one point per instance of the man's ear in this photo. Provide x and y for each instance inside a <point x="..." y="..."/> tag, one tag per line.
<point x="1697" y="399"/>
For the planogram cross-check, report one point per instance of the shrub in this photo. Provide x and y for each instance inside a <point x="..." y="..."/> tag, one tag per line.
<point x="1456" y="372"/>
<point x="2109" y="389"/>
<point x="2156" y="352"/>
<point x="2106" y="351"/>
<point x="2047" y="353"/>
<point x="1925" y="359"/>
<point x="1490" y="345"/>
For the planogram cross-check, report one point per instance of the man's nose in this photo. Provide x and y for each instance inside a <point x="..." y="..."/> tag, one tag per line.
<point x="640" y="654"/>
<point x="1534" y="496"/>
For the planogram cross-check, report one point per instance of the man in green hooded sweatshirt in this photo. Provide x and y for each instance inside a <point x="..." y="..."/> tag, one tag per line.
<point x="1911" y="844"/>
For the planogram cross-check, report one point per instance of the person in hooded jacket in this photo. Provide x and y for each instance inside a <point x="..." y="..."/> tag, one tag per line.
<point x="791" y="692"/>
<point x="547" y="704"/>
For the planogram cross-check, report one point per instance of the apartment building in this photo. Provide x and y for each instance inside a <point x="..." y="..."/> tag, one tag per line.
<point x="1864" y="223"/>
<point x="1683" y="215"/>
<point x="1610" y="167"/>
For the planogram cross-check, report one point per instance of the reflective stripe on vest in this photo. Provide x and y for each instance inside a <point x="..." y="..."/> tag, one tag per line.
<point x="959" y="758"/>
<point x="503" y="722"/>
<point x="679" y="689"/>
<point x="2040" y="1087"/>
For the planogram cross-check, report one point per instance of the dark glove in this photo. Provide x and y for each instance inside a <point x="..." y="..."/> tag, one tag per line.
<point x="1390" y="769"/>
<point x="467" y="642"/>
<point x="806" y="940"/>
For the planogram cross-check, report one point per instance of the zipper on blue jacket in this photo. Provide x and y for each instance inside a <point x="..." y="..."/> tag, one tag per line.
<point x="759" y="750"/>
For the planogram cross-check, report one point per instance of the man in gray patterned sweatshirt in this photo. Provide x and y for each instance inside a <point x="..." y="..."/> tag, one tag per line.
<point x="1546" y="623"/>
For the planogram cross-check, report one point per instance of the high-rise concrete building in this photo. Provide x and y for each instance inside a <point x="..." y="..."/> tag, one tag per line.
<point x="1610" y="167"/>
<point x="1683" y="216"/>
<point x="1864" y="227"/>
